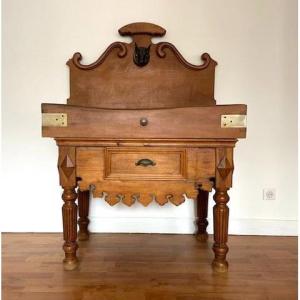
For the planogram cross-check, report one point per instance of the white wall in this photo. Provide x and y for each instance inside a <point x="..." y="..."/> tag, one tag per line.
<point x="255" y="44"/>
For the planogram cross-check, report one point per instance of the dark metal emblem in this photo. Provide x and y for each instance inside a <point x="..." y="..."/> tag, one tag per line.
<point x="141" y="55"/>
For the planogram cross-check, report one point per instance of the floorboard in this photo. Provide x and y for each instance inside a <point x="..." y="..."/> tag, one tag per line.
<point x="147" y="267"/>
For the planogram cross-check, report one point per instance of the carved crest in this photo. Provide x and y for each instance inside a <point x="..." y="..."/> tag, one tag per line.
<point x="141" y="75"/>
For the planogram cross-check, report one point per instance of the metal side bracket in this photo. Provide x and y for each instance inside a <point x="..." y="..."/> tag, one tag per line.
<point x="233" y="121"/>
<point x="54" y="119"/>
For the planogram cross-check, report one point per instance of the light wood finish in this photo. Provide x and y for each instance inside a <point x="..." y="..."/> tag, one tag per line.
<point x="194" y="164"/>
<point x="147" y="28"/>
<point x="121" y="163"/>
<point x="100" y="142"/>
<point x="163" y="123"/>
<point x="142" y="125"/>
<point x="144" y="192"/>
<point x="148" y="267"/>
<point x="168" y="80"/>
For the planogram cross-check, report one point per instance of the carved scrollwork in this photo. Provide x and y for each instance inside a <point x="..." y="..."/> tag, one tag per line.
<point x="160" y="50"/>
<point x="130" y="192"/>
<point x="135" y="197"/>
<point x="121" y="53"/>
<point x="169" y="197"/>
<point x="175" y="199"/>
<point x="130" y="199"/>
<point x="161" y="200"/>
<point x="110" y="199"/>
<point x="120" y="197"/>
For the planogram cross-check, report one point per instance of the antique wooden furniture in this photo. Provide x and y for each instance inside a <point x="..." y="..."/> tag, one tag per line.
<point x="142" y="125"/>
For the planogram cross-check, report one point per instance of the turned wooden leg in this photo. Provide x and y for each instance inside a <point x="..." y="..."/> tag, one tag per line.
<point x="69" y="212"/>
<point x="221" y="214"/>
<point x="83" y="221"/>
<point x="201" y="221"/>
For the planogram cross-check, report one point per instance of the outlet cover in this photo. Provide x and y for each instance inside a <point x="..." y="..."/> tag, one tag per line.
<point x="269" y="194"/>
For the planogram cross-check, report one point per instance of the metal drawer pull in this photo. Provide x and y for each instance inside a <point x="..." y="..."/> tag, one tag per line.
<point x="145" y="162"/>
<point x="143" y="121"/>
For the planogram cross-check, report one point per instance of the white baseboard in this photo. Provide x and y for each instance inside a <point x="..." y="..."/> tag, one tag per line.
<point x="186" y="226"/>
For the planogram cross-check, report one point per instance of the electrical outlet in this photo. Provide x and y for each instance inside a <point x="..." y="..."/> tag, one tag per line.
<point x="269" y="194"/>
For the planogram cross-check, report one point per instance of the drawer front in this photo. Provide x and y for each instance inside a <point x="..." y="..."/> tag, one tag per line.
<point x="139" y="164"/>
<point x="173" y="123"/>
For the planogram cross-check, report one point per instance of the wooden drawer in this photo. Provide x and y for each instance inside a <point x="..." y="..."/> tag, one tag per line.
<point x="95" y="165"/>
<point x="141" y="163"/>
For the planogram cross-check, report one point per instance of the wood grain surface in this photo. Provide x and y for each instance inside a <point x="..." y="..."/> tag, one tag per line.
<point x="148" y="267"/>
<point x="145" y="191"/>
<point x="172" y="123"/>
<point x="167" y="80"/>
<point x="121" y="163"/>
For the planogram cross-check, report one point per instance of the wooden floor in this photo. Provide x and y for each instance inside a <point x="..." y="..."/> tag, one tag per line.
<point x="148" y="267"/>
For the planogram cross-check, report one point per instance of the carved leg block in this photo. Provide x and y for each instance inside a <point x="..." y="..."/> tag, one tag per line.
<point x="69" y="212"/>
<point x="221" y="214"/>
<point x="83" y="221"/>
<point x="201" y="221"/>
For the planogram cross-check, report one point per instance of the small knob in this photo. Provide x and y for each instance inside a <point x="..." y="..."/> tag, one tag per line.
<point x="143" y="121"/>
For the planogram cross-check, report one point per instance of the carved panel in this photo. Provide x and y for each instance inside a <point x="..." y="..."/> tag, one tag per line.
<point x="123" y="78"/>
<point x="144" y="192"/>
<point x="66" y="166"/>
<point x="224" y="167"/>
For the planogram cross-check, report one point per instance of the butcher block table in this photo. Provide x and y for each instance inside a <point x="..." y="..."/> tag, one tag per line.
<point x="142" y="125"/>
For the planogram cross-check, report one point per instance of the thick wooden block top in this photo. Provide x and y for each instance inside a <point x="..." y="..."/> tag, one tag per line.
<point x="171" y="123"/>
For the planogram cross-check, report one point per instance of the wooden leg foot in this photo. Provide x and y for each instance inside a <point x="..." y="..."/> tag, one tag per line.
<point x="83" y="236"/>
<point x="70" y="265"/>
<point x="83" y="221"/>
<point x="220" y="266"/>
<point x="70" y="262"/>
<point x="202" y="237"/>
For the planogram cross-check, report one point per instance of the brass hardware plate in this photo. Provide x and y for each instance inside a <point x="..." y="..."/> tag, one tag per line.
<point x="233" y="121"/>
<point x="54" y="120"/>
